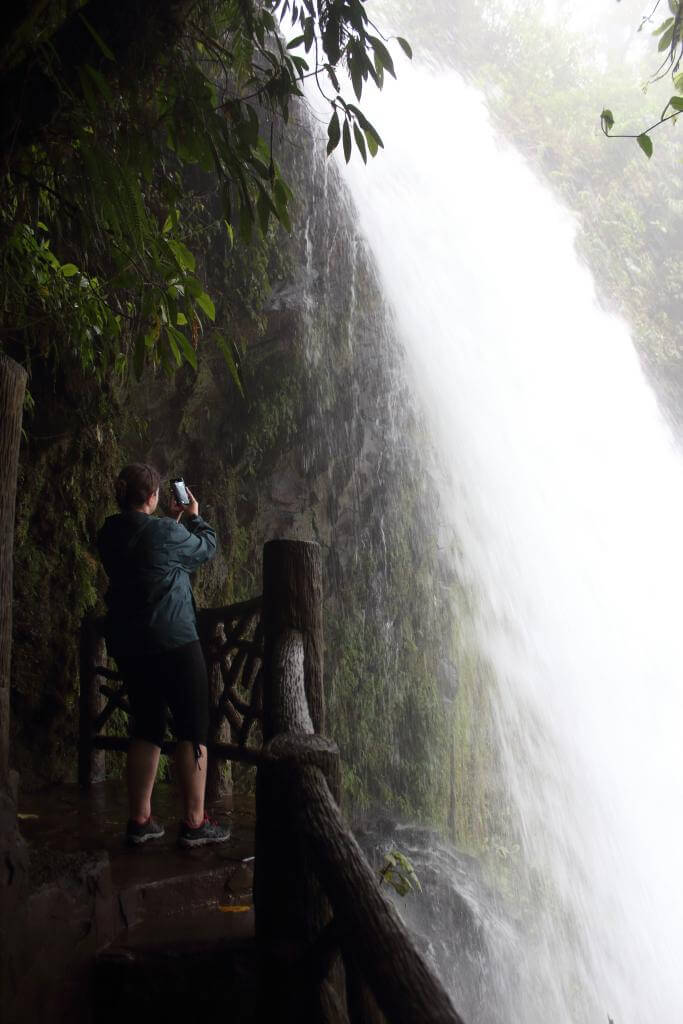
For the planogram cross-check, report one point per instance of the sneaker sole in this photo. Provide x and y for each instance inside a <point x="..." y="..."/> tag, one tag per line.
<point x="139" y="840"/>
<point x="203" y="841"/>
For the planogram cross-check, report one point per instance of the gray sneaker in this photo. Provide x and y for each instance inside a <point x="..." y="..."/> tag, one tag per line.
<point x="208" y="832"/>
<point x="136" y="834"/>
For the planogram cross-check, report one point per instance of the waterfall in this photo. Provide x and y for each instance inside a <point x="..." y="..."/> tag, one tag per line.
<point x="564" y="489"/>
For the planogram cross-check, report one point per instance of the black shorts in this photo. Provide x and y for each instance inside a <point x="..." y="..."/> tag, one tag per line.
<point x="175" y="679"/>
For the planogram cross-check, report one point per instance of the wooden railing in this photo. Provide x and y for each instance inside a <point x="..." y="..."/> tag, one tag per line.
<point x="232" y="638"/>
<point x="332" y="947"/>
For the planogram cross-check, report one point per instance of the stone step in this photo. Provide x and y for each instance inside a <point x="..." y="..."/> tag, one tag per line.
<point x="90" y="894"/>
<point x="187" y="967"/>
<point x="167" y="882"/>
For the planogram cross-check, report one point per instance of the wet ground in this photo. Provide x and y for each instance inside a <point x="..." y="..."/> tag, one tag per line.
<point x="69" y="819"/>
<point x="155" y="921"/>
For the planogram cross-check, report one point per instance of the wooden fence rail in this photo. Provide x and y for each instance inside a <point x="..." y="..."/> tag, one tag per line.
<point x="333" y="949"/>
<point x="232" y="638"/>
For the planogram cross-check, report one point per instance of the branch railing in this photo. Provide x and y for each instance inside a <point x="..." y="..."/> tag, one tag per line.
<point x="332" y="947"/>
<point x="232" y="638"/>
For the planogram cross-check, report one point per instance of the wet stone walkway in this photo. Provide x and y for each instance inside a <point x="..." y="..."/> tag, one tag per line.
<point x="146" y="926"/>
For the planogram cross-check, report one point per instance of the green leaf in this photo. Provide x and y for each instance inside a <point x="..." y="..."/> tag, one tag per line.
<point x="405" y="46"/>
<point x="356" y="76"/>
<point x="205" y="302"/>
<point x="383" y="55"/>
<point x="171" y="222"/>
<point x="678" y="81"/>
<point x="293" y="43"/>
<point x="308" y="34"/>
<point x="68" y="269"/>
<point x="676" y="102"/>
<point x="360" y="142"/>
<point x="226" y="349"/>
<point x="346" y="141"/>
<point x="399" y="873"/>
<point x="666" y="40"/>
<point x="301" y="65"/>
<point x="193" y="286"/>
<point x="98" y="38"/>
<point x="182" y="254"/>
<point x="181" y="320"/>
<point x="607" y="120"/>
<point x="372" y="143"/>
<point x="184" y="345"/>
<point x="370" y="130"/>
<point x="645" y="143"/>
<point x="172" y="343"/>
<point x="333" y="133"/>
<point x="664" y="26"/>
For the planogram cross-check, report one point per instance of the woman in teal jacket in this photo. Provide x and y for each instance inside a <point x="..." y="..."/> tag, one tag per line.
<point x="151" y="630"/>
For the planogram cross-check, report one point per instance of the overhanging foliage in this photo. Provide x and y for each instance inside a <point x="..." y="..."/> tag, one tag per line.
<point x="126" y="129"/>
<point x="670" y="43"/>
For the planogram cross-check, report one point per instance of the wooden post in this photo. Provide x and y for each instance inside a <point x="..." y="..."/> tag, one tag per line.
<point x="218" y="771"/>
<point x="12" y="388"/>
<point x="404" y="986"/>
<point x="91" y="762"/>
<point x="293" y="917"/>
<point x="292" y="600"/>
<point x="13" y="851"/>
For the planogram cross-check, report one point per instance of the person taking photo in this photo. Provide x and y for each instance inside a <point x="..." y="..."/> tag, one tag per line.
<point x="151" y="631"/>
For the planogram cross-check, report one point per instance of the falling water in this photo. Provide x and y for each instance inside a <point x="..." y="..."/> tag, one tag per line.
<point x="565" y="490"/>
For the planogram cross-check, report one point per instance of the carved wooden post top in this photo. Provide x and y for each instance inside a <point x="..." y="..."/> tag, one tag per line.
<point x="292" y="601"/>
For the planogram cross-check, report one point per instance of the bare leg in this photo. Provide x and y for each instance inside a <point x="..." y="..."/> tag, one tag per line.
<point x="192" y="777"/>
<point x="141" y="771"/>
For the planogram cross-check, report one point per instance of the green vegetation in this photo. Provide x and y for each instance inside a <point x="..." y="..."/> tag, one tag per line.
<point x="290" y="425"/>
<point x="669" y="35"/>
<point x="398" y="872"/>
<point x="127" y="130"/>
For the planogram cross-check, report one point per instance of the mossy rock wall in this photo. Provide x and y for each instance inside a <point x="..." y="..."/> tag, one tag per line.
<point x="325" y="445"/>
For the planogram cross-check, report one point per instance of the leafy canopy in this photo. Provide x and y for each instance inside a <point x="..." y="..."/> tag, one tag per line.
<point x="670" y="44"/>
<point x="144" y="124"/>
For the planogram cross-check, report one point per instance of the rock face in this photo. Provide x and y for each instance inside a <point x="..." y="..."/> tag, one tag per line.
<point x="66" y="914"/>
<point x="449" y="917"/>
<point x="325" y="445"/>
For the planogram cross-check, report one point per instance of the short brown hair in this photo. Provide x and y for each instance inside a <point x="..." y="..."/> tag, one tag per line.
<point x="134" y="485"/>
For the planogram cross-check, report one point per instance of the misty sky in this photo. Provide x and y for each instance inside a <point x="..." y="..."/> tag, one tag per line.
<point x="615" y="22"/>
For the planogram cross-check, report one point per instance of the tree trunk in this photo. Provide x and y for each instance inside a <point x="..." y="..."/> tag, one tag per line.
<point x="13" y="853"/>
<point x="12" y="387"/>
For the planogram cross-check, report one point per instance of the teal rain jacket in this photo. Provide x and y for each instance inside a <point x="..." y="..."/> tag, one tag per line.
<point x="148" y="559"/>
